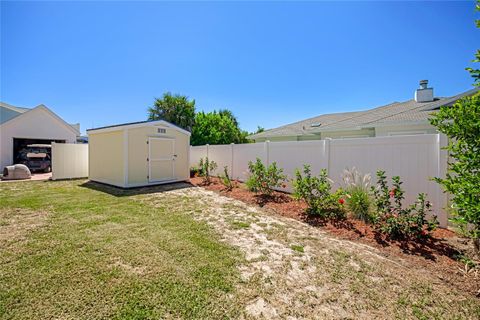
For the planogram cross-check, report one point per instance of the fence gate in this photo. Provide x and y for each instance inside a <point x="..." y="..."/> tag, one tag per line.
<point x="69" y="161"/>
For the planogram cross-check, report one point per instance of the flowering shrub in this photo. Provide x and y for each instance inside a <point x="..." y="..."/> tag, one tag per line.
<point x="264" y="179"/>
<point x="204" y="168"/>
<point x="316" y="191"/>
<point x="356" y="186"/>
<point x="394" y="220"/>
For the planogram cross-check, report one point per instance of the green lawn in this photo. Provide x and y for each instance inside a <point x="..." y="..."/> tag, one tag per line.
<point x="77" y="250"/>
<point x="70" y="250"/>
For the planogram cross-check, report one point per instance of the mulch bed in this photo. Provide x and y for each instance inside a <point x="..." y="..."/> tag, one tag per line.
<point x="437" y="254"/>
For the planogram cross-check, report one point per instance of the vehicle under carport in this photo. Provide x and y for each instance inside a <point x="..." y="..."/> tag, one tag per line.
<point x="34" y="153"/>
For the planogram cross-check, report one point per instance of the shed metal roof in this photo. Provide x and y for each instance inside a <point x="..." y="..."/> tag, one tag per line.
<point x="139" y="123"/>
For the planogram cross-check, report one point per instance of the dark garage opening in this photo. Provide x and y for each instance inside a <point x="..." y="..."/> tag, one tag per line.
<point x="19" y="144"/>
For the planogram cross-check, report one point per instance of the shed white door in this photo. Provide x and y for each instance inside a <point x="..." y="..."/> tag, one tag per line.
<point x="161" y="159"/>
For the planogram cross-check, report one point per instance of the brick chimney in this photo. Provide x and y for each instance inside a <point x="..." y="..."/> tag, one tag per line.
<point x="424" y="94"/>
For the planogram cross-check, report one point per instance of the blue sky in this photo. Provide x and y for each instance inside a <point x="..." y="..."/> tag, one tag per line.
<point x="101" y="63"/>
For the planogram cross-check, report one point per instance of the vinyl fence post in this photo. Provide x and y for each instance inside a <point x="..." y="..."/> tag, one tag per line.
<point x="327" y="153"/>
<point x="267" y="151"/>
<point x="52" y="162"/>
<point x="442" y="198"/>
<point x="232" y="145"/>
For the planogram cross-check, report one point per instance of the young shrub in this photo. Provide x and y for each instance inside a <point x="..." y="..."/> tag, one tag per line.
<point x="194" y="171"/>
<point x="226" y="180"/>
<point x="205" y="167"/>
<point x="264" y="179"/>
<point x="316" y="191"/>
<point x="358" y="203"/>
<point x="356" y="186"/>
<point x="394" y="220"/>
<point x="381" y="194"/>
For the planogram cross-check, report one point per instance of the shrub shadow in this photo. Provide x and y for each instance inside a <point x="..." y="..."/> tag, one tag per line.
<point x="122" y="192"/>
<point x="263" y="199"/>
<point x="428" y="248"/>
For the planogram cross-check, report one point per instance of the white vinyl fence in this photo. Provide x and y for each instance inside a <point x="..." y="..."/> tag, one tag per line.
<point x="416" y="159"/>
<point x="69" y="161"/>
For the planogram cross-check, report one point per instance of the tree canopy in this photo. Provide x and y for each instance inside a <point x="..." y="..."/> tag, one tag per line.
<point x="216" y="128"/>
<point x="475" y="72"/>
<point x="176" y="109"/>
<point x="461" y="124"/>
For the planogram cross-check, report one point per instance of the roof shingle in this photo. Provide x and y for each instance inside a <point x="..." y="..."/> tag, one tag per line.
<point x="394" y="112"/>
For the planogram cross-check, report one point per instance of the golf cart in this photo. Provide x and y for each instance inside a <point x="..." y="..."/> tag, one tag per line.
<point x="37" y="157"/>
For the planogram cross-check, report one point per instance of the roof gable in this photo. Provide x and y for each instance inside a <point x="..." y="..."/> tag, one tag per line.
<point x="44" y="109"/>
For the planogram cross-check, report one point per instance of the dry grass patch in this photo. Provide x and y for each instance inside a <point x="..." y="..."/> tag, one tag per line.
<point x="293" y="270"/>
<point x="16" y="223"/>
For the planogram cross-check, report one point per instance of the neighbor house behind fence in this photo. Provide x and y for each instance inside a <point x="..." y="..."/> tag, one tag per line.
<point x="416" y="159"/>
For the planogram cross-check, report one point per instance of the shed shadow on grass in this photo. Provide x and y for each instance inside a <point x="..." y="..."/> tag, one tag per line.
<point x="121" y="192"/>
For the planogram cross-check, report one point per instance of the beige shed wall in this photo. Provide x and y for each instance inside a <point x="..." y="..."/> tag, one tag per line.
<point x="106" y="158"/>
<point x="138" y="153"/>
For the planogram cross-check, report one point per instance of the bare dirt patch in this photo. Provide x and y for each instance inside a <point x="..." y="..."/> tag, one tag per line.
<point x="439" y="254"/>
<point x="16" y="224"/>
<point x="294" y="270"/>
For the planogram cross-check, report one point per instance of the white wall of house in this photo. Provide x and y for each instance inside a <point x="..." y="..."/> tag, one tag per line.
<point x="378" y="131"/>
<point x="346" y="134"/>
<point x="290" y="138"/>
<point x="38" y="123"/>
<point x="393" y="130"/>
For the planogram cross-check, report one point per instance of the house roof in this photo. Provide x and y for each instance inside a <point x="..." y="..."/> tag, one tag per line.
<point x="13" y="108"/>
<point x="23" y="111"/>
<point x="407" y="111"/>
<point x="8" y="112"/>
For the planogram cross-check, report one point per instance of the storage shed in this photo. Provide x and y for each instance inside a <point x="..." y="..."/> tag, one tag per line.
<point x="139" y="154"/>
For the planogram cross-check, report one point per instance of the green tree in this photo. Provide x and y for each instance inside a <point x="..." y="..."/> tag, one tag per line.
<point x="476" y="72"/>
<point x="259" y="129"/>
<point x="176" y="109"/>
<point x="229" y="114"/>
<point x="216" y="128"/>
<point x="461" y="124"/>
